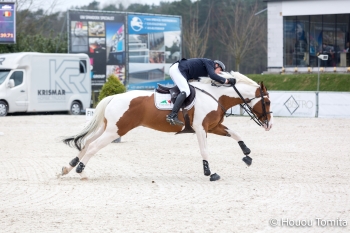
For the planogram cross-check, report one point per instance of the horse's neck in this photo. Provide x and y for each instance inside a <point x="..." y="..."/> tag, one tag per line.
<point x="245" y="89"/>
<point x="227" y="96"/>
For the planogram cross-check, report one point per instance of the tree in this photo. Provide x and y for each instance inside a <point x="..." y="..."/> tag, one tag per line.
<point x="241" y="31"/>
<point x="111" y="87"/>
<point x="196" y="35"/>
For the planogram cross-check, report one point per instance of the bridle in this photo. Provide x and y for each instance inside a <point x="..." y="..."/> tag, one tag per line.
<point x="258" y="119"/>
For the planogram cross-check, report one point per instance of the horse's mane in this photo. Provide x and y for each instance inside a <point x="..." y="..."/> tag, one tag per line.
<point x="240" y="78"/>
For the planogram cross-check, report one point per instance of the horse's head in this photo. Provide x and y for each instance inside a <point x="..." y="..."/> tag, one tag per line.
<point x="261" y="107"/>
<point x="255" y="99"/>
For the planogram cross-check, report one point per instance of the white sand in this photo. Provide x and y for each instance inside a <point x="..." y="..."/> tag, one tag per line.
<point x="154" y="182"/>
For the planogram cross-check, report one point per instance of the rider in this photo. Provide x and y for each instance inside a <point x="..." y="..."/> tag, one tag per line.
<point x="185" y="69"/>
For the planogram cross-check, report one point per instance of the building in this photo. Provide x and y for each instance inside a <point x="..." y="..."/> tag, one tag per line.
<point x="299" y="30"/>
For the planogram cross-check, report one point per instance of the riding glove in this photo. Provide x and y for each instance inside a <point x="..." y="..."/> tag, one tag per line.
<point x="231" y="81"/>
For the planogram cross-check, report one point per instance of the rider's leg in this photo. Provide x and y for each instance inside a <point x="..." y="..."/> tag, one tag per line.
<point x="182" y="84"/>
<point x="172" y="117"/>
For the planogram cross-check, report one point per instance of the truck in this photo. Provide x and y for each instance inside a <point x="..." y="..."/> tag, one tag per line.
<point x="44" y="82"/>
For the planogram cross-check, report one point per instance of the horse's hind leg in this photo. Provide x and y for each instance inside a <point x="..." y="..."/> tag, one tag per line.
<point x="75" y="161"/>
<point x="103" y="140"/>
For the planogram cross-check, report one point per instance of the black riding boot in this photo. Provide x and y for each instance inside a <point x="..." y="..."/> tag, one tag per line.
<point x="172" y="117"/>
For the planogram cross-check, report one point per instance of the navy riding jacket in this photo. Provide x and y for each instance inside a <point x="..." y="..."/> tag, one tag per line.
<point x="195" y="68"/>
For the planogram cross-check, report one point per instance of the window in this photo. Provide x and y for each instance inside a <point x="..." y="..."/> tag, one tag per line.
<point x="17" y="77"/>
<point x="82" y="66"/>
<point x="315" y="38"/>
<point x="305" y="37"/>
<point x="302" y="41"/>
<point x="328" y="44"/>
<point x="289" y="40"/>
<point x="342" y="40"/>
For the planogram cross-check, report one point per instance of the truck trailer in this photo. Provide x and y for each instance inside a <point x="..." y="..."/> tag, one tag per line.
<point x="44" y="82"/>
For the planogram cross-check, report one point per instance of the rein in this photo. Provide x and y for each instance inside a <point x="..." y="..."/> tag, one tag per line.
<point x="249" y="110"/>
<point x="222" y="107"/>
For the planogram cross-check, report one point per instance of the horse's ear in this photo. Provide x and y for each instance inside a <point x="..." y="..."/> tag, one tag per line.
<point x="262" y="85"/>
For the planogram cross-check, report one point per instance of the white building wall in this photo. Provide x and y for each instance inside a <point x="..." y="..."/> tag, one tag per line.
<point x="315" y="7"/>
<point x="276" y="11"/>
<point x="274" y="36"/>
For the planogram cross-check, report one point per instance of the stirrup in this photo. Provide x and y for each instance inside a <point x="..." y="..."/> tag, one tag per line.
<point x="173" y="120"/>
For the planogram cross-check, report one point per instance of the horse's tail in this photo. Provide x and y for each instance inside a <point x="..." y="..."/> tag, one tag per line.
<point x="78" y="141"/>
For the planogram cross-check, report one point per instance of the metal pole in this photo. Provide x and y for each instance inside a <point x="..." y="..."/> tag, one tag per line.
<point x="318" y="86"/>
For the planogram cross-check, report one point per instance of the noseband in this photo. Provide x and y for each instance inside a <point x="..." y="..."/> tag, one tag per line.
<point x="258" y="119"/>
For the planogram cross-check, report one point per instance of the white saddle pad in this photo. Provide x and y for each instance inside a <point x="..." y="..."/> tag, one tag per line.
<point x="163" y="102"/>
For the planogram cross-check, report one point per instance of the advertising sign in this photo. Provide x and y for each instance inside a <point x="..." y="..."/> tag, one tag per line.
<point x="296" y="104"/>
<point x="154" y="44"/>
<point x="334" y="104"/>
<point x="101" y="35"/>
<point x="7" y="23"/>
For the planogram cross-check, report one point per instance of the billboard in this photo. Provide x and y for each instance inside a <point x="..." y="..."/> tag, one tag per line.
<point x="101" y="35"/>
<point x="138" y="48"/>
<point x="154" y="43"/>
<point x="7" y="23"/>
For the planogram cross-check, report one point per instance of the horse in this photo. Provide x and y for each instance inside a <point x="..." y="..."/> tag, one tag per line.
<point x="116" y="115"/>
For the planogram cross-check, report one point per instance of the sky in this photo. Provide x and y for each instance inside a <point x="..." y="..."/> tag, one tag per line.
<point x="67" y="4"/>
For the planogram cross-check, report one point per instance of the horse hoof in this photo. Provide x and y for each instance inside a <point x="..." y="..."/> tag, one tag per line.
<point x="64" y="171"/>
<point x="83" y="176"/>
<point x="214" y="177"/>
<point x="247" y="160"/>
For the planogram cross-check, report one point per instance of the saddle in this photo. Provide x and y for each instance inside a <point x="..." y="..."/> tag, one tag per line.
<point x="187" y="104"/>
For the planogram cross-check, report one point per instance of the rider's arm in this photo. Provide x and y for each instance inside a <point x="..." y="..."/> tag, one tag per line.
<point x="209" y="65"/>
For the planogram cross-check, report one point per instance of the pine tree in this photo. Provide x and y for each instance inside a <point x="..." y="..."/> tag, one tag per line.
<point x="111" y="87"/>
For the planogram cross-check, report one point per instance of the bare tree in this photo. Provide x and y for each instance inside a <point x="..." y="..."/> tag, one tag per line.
<point x="241" y="30"/>
<point x="195" y="36"/>
<point x="25" y="9"/>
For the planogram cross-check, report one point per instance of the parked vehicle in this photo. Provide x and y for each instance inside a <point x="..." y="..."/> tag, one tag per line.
<point x="97" y="29"/>
<point x="44" y="82"/>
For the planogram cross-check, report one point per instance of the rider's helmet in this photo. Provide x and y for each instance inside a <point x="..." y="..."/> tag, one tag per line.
<point x="222" y="66"/>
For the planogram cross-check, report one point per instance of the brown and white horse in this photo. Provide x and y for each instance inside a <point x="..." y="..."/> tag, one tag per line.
<point x="118" y="114"/>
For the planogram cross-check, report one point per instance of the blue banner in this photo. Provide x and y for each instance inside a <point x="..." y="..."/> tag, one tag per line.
<point x="141" y="24"/>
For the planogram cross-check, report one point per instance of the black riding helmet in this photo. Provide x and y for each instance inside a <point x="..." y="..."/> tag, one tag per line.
<point x="222" y="66"/>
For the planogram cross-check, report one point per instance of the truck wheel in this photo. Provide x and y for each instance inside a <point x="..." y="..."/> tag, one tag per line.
<point x="75" y="108"/>
<point x="3" y="108"/>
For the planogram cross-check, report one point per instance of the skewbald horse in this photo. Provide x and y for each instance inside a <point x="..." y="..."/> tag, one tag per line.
<point x="118" y="114"/>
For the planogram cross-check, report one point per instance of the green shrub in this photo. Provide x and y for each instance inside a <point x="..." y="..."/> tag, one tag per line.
<point x="111" y="87"/>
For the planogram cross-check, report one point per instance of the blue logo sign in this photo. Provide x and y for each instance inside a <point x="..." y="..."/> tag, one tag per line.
<point x="136" y="24"/>
<point x="141" y="24"/>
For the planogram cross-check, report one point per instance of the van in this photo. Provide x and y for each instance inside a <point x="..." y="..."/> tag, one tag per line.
<point x="44" y="82"/>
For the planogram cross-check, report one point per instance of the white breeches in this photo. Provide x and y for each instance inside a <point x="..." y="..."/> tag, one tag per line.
<point x="179" y="79"/>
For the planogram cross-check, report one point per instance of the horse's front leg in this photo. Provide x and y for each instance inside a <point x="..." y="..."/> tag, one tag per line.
<point x="202" y="141"/>
<point x="224" y="131"/>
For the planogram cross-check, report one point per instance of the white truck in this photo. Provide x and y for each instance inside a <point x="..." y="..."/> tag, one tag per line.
<point x="44" y="82"/>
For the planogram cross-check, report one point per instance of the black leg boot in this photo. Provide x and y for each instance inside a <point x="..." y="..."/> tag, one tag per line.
<point x="172" y="117"/>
